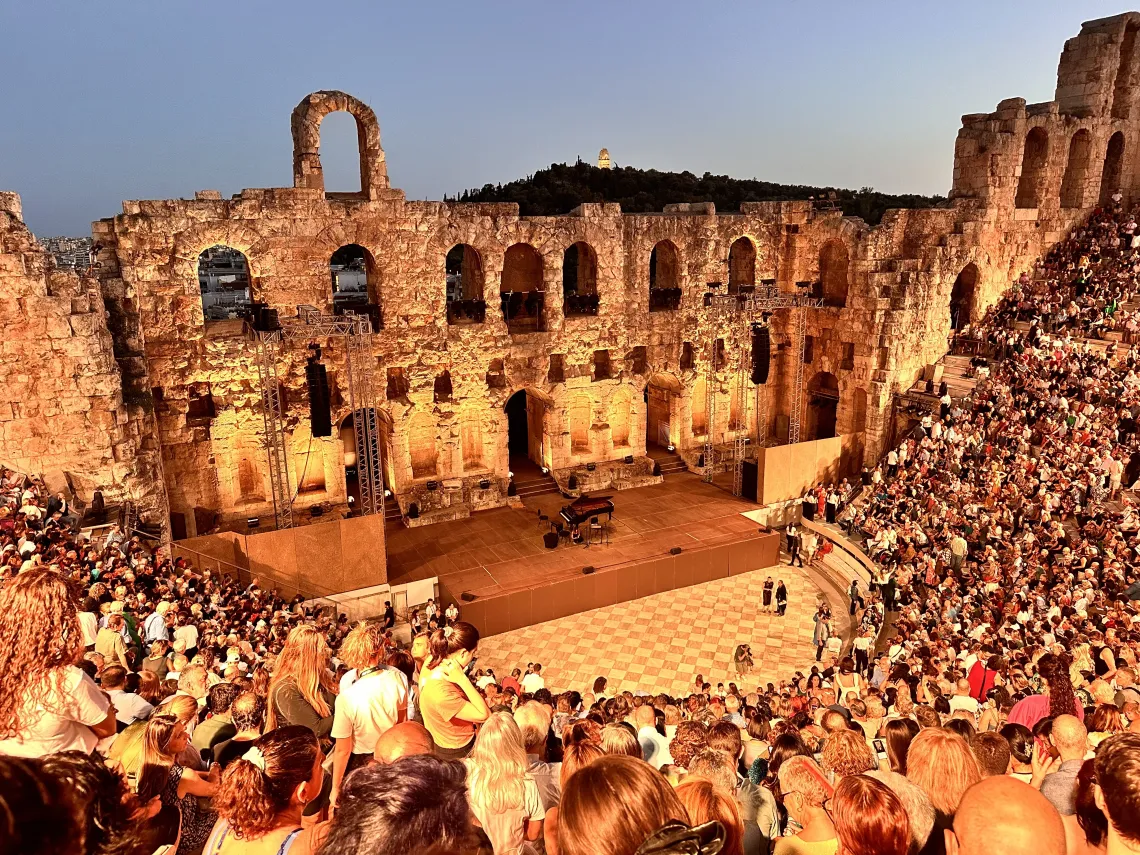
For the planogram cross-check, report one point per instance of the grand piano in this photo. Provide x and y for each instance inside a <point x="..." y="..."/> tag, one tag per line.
<point x="585" y="508"/>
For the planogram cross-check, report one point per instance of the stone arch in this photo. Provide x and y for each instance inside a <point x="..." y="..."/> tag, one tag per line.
<point x="355" y="280"/>
<point x="580" y="280"/>
<point x="1076" y="176"/>
<point x="1034" y="158"/>
<point x="834" y="273"/>
<point x="423" y="447"/>
<point x="962" y="297"/>
<point x="1110" y="175"/>
<point x="306" y="127"/>
<point x="579" y="420"/>
<point x="224" y="282"/>
<point x="621" y="405"/>
<point x="522" y="269"/>
<point x="823" y="403"/>
<point x="741" y="264"/>
<point x="1125" y="70"/>
<point x="463" y="267"/>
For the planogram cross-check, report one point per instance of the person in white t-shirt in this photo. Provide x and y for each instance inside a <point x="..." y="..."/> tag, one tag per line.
<point x="961" y="701"/>
<point x="47" y="705"/>
<point x="373" y="702"/>
<point x="533" y="681"/>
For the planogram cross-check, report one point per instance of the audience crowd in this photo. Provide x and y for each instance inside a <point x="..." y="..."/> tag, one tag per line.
<point x="987" y="701"/>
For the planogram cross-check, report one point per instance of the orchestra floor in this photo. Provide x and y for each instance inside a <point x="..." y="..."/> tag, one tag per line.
<point x="501" y="551"/>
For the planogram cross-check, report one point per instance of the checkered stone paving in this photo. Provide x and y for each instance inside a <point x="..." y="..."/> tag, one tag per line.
<point x="659" y="643"/>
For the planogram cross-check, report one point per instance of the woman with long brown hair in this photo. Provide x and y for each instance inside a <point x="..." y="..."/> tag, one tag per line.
<point x="1057" y="699"/>
<point x="302" y="690"/>
<point x="869" y="818"/>
<point x="450" y="704"/>
<point x="574" y="757"/>
<point x="47" y="704"/>
<point x="263" y="794"/>
<point x="176" y="787"/>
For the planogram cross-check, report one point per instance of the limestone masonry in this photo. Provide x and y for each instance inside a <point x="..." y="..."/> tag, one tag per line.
<point x="118" y="382"/>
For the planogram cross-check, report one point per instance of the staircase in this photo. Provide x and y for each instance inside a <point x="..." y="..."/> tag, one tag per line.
<point x="392" y="510"/>
<point x="531" y="484"/>
<point x="670" y="463"/>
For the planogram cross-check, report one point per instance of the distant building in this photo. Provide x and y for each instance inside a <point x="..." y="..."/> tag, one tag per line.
<point x="604" y="159"/>
<point x="69" y="253"/>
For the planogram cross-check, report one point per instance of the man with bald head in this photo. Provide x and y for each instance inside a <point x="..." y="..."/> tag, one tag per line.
<point x="1070" y="738"/>
<point x="406" y="739"/>
<point x="1004" y="815"/>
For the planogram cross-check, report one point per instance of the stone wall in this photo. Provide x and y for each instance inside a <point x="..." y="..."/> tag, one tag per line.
<point x="62" y="412"/>
<point x="1022" y="176"/>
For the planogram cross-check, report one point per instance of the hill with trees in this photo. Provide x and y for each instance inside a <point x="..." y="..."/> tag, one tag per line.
<point x="562" y="187"/>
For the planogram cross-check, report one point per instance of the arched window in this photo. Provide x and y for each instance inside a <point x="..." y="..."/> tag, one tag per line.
<point x="1033" y="160"/>
<point x="340" y="153"/>
<point x="464" y="272"/>
<point x="355" y="283"/>
<point x="741" y="265"/>
<point x="962" y="297"/>
<point x="1075" y="181"/>
<point x="833" y="273"/>
<point x="1113" y="162"/>
<point x="620" y="417"/>
<point x="422" y="445"/>
<point x="521" y="289"/>
<point x="664" y="277"/>
<point x="579" y="417"/>
<point x="1125" y="72"/>
<point x="224" y="282"/>
<point x="579" y="280"/>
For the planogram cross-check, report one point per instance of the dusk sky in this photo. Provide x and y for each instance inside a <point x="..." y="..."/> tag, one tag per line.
<point x="153" y="100"/>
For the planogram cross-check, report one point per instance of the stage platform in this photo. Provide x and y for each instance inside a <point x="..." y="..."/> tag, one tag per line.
<point x="498" y="556"/>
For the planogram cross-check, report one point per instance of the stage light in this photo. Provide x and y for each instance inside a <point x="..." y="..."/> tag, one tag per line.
<point x="510" y="474"/>
<point x="545" y="471"/>
<point x="670" y="449"/>
<point x="387" y="494"/>
<point x="253" y="522"/>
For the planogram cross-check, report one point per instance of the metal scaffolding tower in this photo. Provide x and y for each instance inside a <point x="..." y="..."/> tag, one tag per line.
<point x="307" y="326"/>
<point x="740" y="311"/>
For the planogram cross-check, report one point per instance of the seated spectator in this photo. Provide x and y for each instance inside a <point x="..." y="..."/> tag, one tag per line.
<point x="534" y="721"/>
<point x="992" y="753"/>
<point x="247" y="714"/>
<point x="176" y="787"/>
<point x="1069" y="737"/>
<point x="620" y="738"/>
<point x="805" y="790"/>
<point x="411" y="805"/>
<point x="706" y="802"/>
<point x="1003" y="815"/>
<point x="612" y="805"/>
<point x="919" y="810"/>
<point x="219" y="726"/>
<point x="898" y="735"/>
<point x="941" y="763"/>
<point x="1117" y="791"/>
<point x="504" y="797"/>
<point x="846" y="753"/>
<point x="129" y="707"/>
<point x="869" y="819"/>
<point x="406" y="739"/>
<point x="263" y="793"/>
<point x="47" y="704"/>
<point x="575" y="756"/>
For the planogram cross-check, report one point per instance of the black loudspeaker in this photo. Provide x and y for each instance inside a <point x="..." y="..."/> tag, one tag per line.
<point x="550" y="540"/>
<point x="749" y="481"/>
<point x="572" y="482"/>
<point x="676" y="550"/>
<point x="413" y="511"/>
<point x="761" y="354"/>
<point x="319" y="416"/>
<point x="588" y="569"/>
<point x="468" y="597"/>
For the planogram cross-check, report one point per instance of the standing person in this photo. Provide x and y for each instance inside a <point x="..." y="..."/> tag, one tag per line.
<point x="793" y="534"/>
<point x="861" y="647"/>
<point x="856" y="598"/>
<point x="302" y="690"/>
<point x="822" y="633"/>
<point x="781" y="598"/>
<point x="769" y="585"/>
<point x="109" y="643"/>
<point x="742" y="658"/>
<point x="389" y="615"/>
<point x="450" y="704"/>
<point x="832" y="505"/>
<point x="47" y="705"/>
<point x="375" y="701"/>
<point x="504" y="797"/>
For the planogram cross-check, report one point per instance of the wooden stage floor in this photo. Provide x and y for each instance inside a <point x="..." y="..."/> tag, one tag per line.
<point x="499" y="552"/>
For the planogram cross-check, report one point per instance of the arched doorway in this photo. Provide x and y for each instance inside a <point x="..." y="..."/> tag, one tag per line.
<point x="355" y="285"/>
<point x="823" y="401"/>
<point x="833" y="273"/>
<point x="224" y="283"/>
<point x="463" y="272"/>
<point x="520" y="289"/>
<point x="526" y="414"/>
<point x="962" y="297"/>
<point x="1113" y="161"/>
<point x="579" y="280"/>
<point x="664" y="277"/>
<point x="660" y="399"/>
